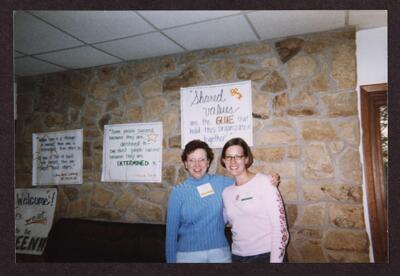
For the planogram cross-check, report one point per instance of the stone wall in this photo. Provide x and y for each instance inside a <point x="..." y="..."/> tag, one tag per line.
<point x="305" y="127"/>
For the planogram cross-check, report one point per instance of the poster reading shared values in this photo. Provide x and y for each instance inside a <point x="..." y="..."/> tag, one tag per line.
<point x="57" y="157"/>
<point x="132" y="152"/>
<point x="216" y="113"/>
<point x="34" y="212"/>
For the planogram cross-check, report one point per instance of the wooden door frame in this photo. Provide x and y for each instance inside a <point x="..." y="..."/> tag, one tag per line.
<point x="372" y="97"/>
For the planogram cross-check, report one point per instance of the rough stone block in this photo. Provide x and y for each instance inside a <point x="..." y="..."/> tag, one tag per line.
<point x="78" y="208"/>
<point x="346" y="216"/>
<point x="123" y="202"/>
<point x="190" y="76"/>
<point x="222" y="69"/>
<point x="288" y="189"/>
<point x="305" y="99"/>
<point x="288" y="48"/>
<point x="104" y="214"/>
<point x="291" y="214"/>
<point x="293" y="151"/>
<point x="147" y="211"/>
<point x="314" y="192"/>
<point x="344" y="65"/>
<point x="310" y="250"/>
<point x="302" y="67"/>
<point x="269" y="154"/>
<point x="151" y="87"/>
<point x="313" y="214"/>
<point x="308" y="233"/>
<point x="169" y="174"/>
<point x="318" y="130"/>
<point x="168" y="64"/>
<point x="253" y="49"/>
<point x="349" y="164"/>
<point x="274" y="82"/>
<point x="101" y="197"/>
<point x="347" y="240"/>
<point x="154" y="108"/>
<point x="350" y="132"/>
<point x="346" y="257"/>
<point x="266" y="137"/>
<point x="280" y="104"/>
<point x="341" y="104"/>
<point x="317" y="163"/>
<point x="344" y="193"/>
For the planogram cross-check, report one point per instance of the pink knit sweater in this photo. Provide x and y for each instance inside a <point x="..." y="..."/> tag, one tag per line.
<point x="256" y="213"/>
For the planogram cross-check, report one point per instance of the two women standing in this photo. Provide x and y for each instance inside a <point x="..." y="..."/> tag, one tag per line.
<point x="195" y="218"/>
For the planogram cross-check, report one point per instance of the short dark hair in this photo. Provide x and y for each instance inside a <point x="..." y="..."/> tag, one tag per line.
<point x="237" y="142"/>
<point x="194" y="145"/>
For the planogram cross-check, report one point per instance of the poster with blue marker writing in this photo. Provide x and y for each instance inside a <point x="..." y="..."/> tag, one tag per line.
<point x="217" y="113"/>
<point x="57" y="157"/>
<point x="34" y="213"/>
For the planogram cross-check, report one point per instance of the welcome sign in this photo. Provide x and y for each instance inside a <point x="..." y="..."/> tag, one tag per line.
<point x="34" y="212"/>
<point x="132" y="152"/>
<point x="217" y="113"/>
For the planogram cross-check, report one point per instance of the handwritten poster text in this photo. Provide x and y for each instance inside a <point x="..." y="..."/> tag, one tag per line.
<point x="132" y="152"/>
<point x="216" y="113"/>
<point x="57" y="158"/>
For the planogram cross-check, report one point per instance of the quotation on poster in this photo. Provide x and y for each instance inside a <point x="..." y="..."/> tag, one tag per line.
<point x="34" y="213"/>
<point x="217" y="113"/>
<point x="132" y="152"/>
<point x="57" y="157"/>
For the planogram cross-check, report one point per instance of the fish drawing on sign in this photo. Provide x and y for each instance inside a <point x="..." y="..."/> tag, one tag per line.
<point x="235" y="92"/>
<point x="37" y="219"/>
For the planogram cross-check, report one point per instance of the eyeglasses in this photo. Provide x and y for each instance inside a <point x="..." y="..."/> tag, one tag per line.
<point x="236" y="157"/>
<point x="200" y="161"/>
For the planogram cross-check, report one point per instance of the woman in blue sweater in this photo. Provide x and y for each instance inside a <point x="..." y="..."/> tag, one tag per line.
<point x="195" y="224"/>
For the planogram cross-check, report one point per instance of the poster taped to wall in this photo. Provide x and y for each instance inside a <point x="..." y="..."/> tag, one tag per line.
<point x="216" y="113"/>
<point x="57" y="157"/>
<point x="132" y="152"/>
<point x="34" y="213"/>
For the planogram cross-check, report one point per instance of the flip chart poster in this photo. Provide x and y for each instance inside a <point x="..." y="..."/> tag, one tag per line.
<point x="217" y="113"/>
<point x="132" y="152"/>
<point x="57" y="157"/>
<point x="34" y="213"/>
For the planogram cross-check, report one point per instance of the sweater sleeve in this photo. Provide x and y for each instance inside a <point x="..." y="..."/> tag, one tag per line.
<point x="280" y="234"/>
<point x="227" y="182"/>
<point x="173" y="222"/>
<point x="225" y="216"/>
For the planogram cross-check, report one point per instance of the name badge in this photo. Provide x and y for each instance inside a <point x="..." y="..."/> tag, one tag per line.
<point x="244" y="197"/>
<point x="205" y="190"/>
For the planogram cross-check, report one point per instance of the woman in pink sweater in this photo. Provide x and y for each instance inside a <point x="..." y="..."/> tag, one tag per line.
<point x="253" y="209"/>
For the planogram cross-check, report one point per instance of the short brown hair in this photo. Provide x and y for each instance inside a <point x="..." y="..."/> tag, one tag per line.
<point x="237" y="142"/>
<point x="194" y="145"/>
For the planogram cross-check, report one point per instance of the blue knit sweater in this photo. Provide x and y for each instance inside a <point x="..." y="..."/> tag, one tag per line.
<point x="195" y="223"/>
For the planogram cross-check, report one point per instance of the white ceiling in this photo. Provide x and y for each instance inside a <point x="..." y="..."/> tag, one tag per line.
<point x="52" y="41"/>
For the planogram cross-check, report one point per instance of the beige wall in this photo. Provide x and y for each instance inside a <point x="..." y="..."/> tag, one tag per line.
<point x="306" y="128"/>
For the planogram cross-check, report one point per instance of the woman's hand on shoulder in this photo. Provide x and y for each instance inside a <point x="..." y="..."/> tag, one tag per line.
<point x="275" y="179"/>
